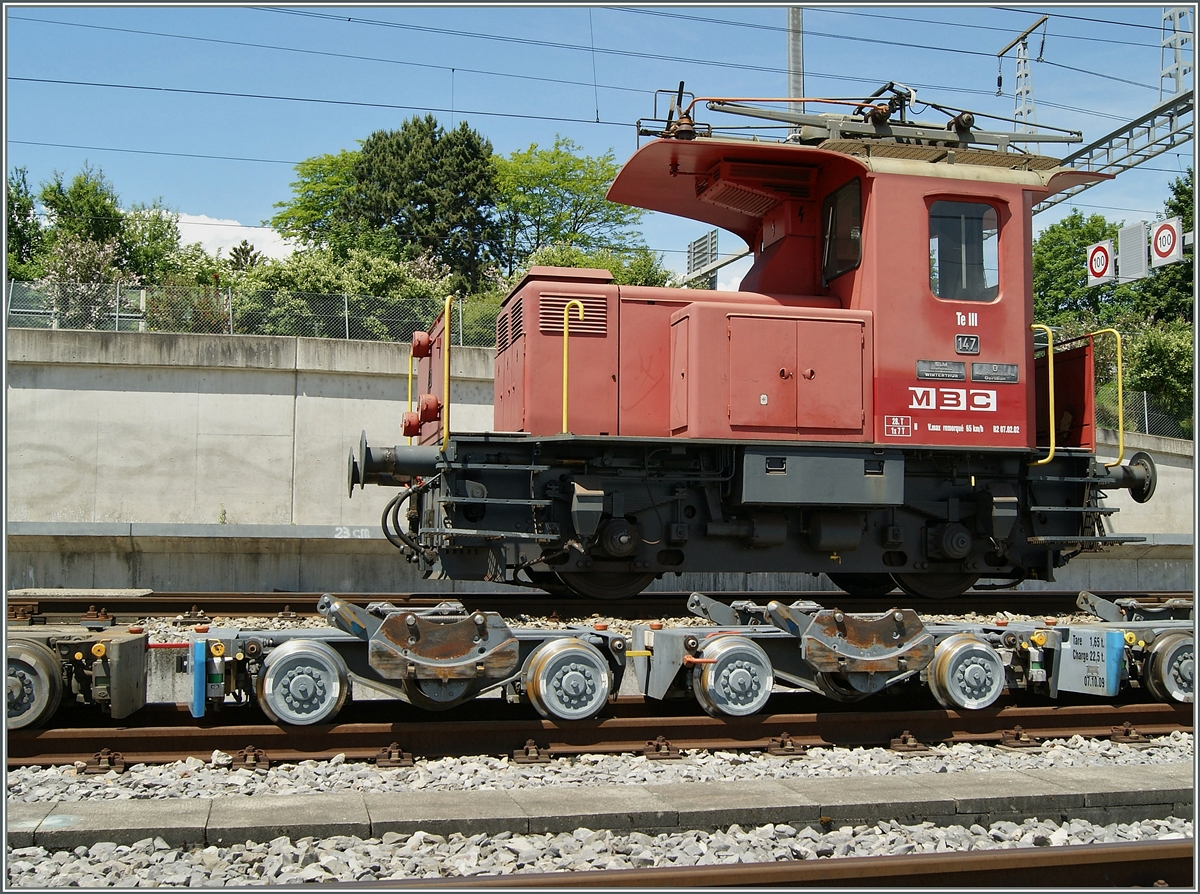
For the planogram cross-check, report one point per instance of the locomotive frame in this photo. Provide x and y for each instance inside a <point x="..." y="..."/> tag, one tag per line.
<point x="871" y="404"/>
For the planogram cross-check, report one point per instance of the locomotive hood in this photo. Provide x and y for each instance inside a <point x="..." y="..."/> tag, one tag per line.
<point x="677" y="176"/>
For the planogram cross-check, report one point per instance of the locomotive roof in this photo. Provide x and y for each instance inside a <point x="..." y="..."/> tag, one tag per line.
<point x="663" y="174"/>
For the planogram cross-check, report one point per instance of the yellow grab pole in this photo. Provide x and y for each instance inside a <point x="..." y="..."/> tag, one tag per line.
<point x="1050" y="376"/>
<point x="566" y="332"/>
<point x="446" y="375"/>
<point x="1120" y="400"/>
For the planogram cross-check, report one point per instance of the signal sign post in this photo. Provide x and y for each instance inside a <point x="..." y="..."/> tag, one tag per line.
<point x="1166" y="242"/>
<point x="1100" y="266"/>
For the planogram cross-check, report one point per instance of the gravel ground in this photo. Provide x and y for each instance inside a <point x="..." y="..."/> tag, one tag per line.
<point x="153" y="863"/>
<point x="195" y="778"/>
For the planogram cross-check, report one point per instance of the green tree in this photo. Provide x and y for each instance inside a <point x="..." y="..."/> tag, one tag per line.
<point x="429" y="190"/>
<point x="1168" y="293"/>
<point x="243" y="256"/>
<point x="310" y="292"/>
<point x="311" y="215"/>
<point x="1162" y="362"/>
<point x="557" y="197"/>
<point x="82" y="274"/>
<point x="149" y="241"/>
<point x="24" y="235"/>
<point x="87" y="207"/>
<point x="1061" y="295"/>
<point x="634" y="267"/>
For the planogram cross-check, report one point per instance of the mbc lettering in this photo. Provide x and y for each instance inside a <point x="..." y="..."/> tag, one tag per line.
<point x="952" y="399"/>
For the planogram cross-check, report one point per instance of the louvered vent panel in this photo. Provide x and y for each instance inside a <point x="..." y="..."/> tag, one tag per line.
<point x="516" y="326"/>
<point x="595" y="314"/>
<point x="737" y="198"/>
<point x="501" y="333"/>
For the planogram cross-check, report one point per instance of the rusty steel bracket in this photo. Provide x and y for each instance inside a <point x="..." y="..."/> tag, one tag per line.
<point x="103" y="761"/>
<point x="906" y="742"/>
<point x="24" y="613"/>
<point x="393" y="756"/>
<point x="660" y="749"/>
<point x="1128" y="734"/>
<point x="410" y="645"/>
<point x="195" y="616"/>
<point x="531" y="754"/>
<point x="251" y="758"/>
<point x="785" y="746"/>
<point x="1017" y="739"/>
<point x="96" y="620"/>
<point x="287" y="614"/>
<point x="895" y="644"/>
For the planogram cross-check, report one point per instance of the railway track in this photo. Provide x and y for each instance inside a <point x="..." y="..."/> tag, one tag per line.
<point x="168" y="737"/>
<point x="1091" y="866"/>
<point x="123" y="606"/>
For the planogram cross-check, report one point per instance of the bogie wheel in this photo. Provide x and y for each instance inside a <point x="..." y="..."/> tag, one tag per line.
<point x="34" y="684"/>
<point x="605" y="584"/>
<point x="864" y="585"/>
<point x="935" y="586"/>
<point x="735" y="678"/>
<point x="302" y="683"/>
<point x="839" y="689"/>
<point x="966" y="673"/>
<point x="567" y="679"/>
<point x="1171" y="668"/>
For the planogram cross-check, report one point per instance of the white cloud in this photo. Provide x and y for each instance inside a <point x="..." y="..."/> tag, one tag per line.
<point x="215" y="234"/>
<point x="730" y="276"/>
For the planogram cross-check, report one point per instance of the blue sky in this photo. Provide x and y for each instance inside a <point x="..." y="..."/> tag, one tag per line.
<point x="519" y="75"/>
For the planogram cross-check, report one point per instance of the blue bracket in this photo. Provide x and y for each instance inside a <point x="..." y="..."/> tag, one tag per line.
<point x="198" y="662"/>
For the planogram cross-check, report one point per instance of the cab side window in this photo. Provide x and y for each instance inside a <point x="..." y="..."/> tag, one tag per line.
<point x="841" y="222"/>
<point x="964" y="258"/>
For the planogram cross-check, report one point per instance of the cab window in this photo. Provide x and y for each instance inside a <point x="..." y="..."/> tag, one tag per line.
<point x="841" y="221"/>
<point x="964" y="260"/>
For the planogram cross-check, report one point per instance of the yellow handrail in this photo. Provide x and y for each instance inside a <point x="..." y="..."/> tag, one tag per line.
<point x="446" y="375"/>
<point x="576" y="303"/>
<point x="1050" y="374"/>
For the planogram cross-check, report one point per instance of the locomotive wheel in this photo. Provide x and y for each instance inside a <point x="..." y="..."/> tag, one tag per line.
<point x="34" y="684"/>
<point x="864" y="585"/>
<point x="935" y="586"/>
<point x="605" y="584"/>
<point x="966" y="673"/>
<point x="1171" y="668"/>
<point x="436" y="695"/>
<point x="567" y="679"/>
<point x="839" y="689"/>
<point x="302" y="683"/>
<point x="738" y="681"/>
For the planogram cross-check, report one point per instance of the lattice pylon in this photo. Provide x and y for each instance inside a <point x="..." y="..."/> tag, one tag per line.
<point x="1177" y="55"/>
<point x="1023" y="110"/>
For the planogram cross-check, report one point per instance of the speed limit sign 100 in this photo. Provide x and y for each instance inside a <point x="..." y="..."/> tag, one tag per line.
<point x="1100" y="263"/>
<point x="1166" y="242"/>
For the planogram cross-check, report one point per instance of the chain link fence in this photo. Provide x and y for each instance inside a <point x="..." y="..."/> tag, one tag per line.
<point x="122" y="308"/>
<point x="1143" y="413"/>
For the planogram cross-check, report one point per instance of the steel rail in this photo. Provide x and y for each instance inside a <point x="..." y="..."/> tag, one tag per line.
<point x="468" y="730"/>
<point x="1122" y="864"/>
<point x="124" y="607"/>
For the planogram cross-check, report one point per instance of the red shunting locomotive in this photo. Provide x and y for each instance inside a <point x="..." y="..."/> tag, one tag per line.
<point x="872" y="403"/>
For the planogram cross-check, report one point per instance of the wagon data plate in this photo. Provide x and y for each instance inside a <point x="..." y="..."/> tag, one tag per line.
<point x="1089" y="660"/>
